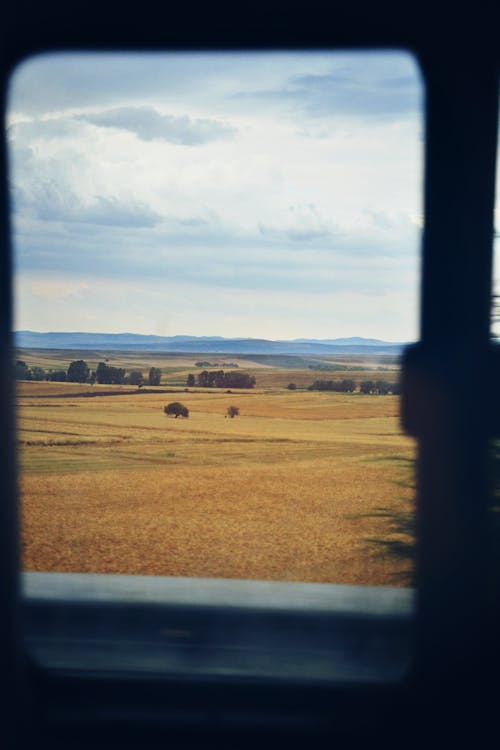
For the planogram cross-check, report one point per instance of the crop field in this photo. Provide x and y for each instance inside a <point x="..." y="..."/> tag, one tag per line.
<point x="300" y="486"/>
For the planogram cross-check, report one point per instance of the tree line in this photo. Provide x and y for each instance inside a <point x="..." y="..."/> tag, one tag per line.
<point x="379" y="387"/>
<point x="216" y="364"/>
<point x="78" y="371"/>
<point x="221" y="379"/>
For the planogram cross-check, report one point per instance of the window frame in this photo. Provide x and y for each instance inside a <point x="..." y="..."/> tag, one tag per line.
<point x="455" y="650"/>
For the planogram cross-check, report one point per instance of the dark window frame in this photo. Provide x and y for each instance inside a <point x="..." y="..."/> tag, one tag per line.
<point x="446" y="404"/>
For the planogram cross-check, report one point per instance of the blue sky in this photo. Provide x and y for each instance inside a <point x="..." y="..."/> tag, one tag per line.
<point x="267" y="195"/>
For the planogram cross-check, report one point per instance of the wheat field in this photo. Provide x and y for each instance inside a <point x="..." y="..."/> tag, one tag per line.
<point x="291" y="489"/>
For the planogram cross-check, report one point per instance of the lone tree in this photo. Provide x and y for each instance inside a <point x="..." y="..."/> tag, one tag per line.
<point x="190" y="380"/>
<point x="154" y="376"/>
<point x="292" y="386"/>
<point x="232" y="411"/>
<point x="176" y="409"/>
<point x="78" y="372"/>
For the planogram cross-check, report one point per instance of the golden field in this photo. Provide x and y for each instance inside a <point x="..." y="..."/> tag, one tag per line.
<point x="288" y="490"/>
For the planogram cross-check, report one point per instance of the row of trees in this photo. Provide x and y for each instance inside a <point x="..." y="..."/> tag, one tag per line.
<point x="215" y="364"/>
<point x="340" y="386"/>
<point x="110" y="375"/>
<point x="380" y="387"/>
<point x="221" y="379"/>
<point x="23" y="372"/>
<point x="79" y="372"/>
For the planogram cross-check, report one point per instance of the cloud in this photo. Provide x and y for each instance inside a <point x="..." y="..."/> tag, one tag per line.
<point x="192" y="221"/>
<point x="366" y="85"/>
<point x="331" y="94"/>
<point x="293" y="235"/>
<point x="50" y="128"/>
<point x="301" y="224"/>
<point x="113" y="212"/>
<point x="216" y="261"/>
<point x="57" y="82"/>
<point x="149" y="125"/>
<point x="51" y="83"/>
<point x="51" y="202"/>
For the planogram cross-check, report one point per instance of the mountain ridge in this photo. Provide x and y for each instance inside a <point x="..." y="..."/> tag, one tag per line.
<point x="200" y="344"/>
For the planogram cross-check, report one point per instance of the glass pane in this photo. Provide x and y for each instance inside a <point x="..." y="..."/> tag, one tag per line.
<point x="495" y="443"/>
<point x="217" y="266"/>
<point x="495" y="317"/>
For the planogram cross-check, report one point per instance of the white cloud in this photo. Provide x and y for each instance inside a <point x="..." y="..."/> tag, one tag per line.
<point x="149" y="125"/>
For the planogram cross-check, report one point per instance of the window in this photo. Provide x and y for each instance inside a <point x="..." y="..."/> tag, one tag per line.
<point x="267" y="205"/>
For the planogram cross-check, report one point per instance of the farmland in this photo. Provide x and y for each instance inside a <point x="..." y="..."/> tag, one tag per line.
<point x="290" y="489"/>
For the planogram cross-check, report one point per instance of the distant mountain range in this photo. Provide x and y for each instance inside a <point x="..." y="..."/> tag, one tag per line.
<point x="201" y="344"/>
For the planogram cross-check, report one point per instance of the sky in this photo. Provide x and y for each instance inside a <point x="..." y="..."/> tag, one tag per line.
<point x="268" y="195"/>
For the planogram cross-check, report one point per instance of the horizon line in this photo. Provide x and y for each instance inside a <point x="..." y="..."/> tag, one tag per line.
<point x="211" y="336"/>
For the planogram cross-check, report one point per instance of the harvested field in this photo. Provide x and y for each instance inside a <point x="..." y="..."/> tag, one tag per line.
<point x="288" y="490"/>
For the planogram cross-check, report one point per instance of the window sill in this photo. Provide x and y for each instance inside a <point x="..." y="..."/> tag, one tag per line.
<point x="192" y="628"/>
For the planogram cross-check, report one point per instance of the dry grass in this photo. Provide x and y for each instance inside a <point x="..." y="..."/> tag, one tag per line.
<point x="283" y="491"/>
